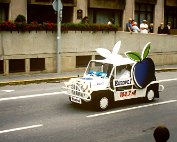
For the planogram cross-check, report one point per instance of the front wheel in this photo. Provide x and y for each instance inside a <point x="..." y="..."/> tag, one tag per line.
<point x="102" y="103"/>
<point x="150" y="95"/>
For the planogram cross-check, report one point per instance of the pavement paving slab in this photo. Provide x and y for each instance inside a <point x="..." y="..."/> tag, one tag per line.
<point x="15" y="79"/>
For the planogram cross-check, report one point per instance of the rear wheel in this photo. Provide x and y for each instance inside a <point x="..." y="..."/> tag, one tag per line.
<point x="150" y="95"/>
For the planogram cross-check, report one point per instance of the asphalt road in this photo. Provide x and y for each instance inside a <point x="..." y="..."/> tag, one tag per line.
<point x="43" y="113"/>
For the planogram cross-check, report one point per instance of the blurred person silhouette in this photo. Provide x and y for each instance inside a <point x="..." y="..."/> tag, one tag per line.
<point x="133" y="22"/>
<point x="161" y="134"/>
<point x="151" y="28"/>
<point x="135" y="28"/>
<point x="129" y="25"/>
<point x="166" y="29"/>
<point x="85" y="20"/>
<point x="144" y="27"/>
<point x="111" y="21"/>
<point x="160" y="29"/>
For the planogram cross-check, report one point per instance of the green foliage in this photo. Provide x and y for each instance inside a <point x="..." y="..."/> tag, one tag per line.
<point x="48" y="26"/>
<point x="146" y="50"/>
<point x="88" y="27"/>
<point x="133" y="56"/>
<point x="20" y="18"/>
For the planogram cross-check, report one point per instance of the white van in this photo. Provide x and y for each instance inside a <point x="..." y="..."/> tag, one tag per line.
<point x="109" y="80"/>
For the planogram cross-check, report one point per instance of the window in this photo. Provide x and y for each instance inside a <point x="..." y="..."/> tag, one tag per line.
<point x="99" y="69"/>
<point x="123" y="72"/>
<point x="67" y="14"/>
<point x="68" y="1"/>
<point x="37" y="64"/>
<point x="170" y="16"/>
<point x="1" y="66"/>
<point x="82" y="61"/>
<point x="98" y="57"/>
<point x="16" y="65"/>
<point x="4" y="8"/>
<point x="102" y="16"/>
<point x="144" y="12"/>
<point x="41" y="13"/>
<point x="43" y="0"/>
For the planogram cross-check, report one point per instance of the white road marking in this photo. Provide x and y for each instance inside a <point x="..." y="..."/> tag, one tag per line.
<point x="8" y="91"/>
<point x="21" y="128"/>
<point x="31" y="96"/>
<point x="132" y="108"/>
<point x="166" y="80"/>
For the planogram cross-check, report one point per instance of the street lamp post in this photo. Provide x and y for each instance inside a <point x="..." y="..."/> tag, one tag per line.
<point x="58" y="6"/>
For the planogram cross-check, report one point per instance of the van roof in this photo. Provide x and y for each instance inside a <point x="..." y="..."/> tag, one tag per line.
<point x="116" y="61"/>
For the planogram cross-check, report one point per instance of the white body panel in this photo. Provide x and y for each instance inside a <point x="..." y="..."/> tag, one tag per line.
<point x="129" y="94"/>
<point x="94" y="81"/>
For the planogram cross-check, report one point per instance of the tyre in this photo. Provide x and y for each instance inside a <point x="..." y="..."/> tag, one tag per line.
<point x="150" y="95"/>
<point x="102" y="103"/>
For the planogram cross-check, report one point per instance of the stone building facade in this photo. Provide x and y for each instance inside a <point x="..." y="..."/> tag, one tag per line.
<point x="18" y="50"/>
<point x="98" y="11"/>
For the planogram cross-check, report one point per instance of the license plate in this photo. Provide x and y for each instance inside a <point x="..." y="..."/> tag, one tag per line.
<point x="76" y="100"/>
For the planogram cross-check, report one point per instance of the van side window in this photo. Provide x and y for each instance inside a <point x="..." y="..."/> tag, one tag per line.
<point x="123" y="71"/>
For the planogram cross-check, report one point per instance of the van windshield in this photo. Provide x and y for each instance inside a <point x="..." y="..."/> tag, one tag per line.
<point x="99" y="69"/>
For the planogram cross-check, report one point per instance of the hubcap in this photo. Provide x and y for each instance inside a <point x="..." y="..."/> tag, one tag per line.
<point x="104" y="103"/>
<point x="150" y="95"/>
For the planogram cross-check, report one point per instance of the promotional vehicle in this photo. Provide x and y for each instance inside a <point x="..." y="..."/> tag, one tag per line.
<point x="115" y="78"/>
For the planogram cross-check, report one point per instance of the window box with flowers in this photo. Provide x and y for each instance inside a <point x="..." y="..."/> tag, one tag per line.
<point x="22" y="25"/>
<point x="48" y="26"/>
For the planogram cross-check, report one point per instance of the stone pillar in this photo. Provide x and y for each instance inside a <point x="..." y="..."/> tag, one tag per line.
<point x="27" y="65"/>
<point x="50" y="64"/>
<point x="81" y="5"/>
<point x="16" y="8"/>
<point x="159" y="14"/>
<point x="128" y="12"/>
<point x="6" y="67"/>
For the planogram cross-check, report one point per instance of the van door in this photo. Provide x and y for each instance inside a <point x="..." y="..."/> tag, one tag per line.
<point x="123" y="83"/>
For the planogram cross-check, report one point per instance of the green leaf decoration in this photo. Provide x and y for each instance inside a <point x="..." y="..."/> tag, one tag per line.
<point x="146" y="50"/>
<point x="133" y="56"/>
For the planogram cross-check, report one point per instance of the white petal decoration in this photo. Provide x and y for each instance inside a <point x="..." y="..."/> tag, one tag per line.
<point x="119" y="60"/>
<point x="104" y="52"/>
<point x="116" y="48"/>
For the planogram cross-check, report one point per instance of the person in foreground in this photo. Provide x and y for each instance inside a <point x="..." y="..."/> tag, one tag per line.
<point x="161" y="134"/>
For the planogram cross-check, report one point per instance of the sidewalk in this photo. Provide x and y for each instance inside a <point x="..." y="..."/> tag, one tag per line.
<point x="16" y="79"/>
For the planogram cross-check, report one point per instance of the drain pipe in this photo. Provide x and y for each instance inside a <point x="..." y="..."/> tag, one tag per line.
<point x="58" y="6"/>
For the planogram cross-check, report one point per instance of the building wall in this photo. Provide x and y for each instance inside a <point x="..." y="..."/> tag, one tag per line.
<point x="81" y="5"/>
<point x="25" y="43"/>
<point x="42" y="44"/>
<point x="159" y="14"/>
<point x="127" y="6"/>
<point x="111" y="4"/>
<point x="16" y="8"/>
<point x="128" y="12"/>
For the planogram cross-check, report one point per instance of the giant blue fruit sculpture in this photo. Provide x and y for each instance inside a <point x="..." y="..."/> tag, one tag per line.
<point x="144" y="68"/>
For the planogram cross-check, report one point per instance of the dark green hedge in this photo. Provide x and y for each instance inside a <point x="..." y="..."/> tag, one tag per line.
<point x="48" y="26"/>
